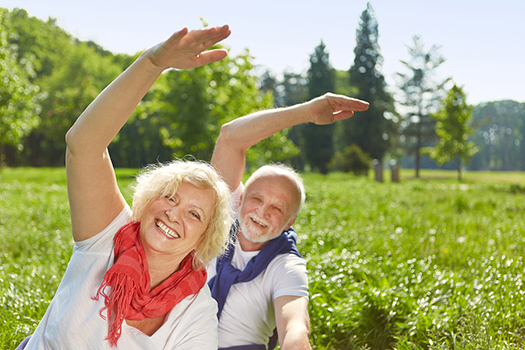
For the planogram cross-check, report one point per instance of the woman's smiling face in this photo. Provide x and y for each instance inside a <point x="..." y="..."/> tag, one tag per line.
<point x="173" y="226"/>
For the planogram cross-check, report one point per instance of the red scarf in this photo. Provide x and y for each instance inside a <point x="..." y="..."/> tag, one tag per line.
<point x="131" y="296"/>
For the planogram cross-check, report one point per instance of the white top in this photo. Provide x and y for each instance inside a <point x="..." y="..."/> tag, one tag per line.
<point x="248" y="316"/>
<point x="73" y="319"/>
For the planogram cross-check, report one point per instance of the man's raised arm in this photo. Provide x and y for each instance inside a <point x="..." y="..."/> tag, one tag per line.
<point x="240" y="134"/>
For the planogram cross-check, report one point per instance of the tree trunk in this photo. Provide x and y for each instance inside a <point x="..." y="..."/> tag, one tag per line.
<point x="459" y="168"/>
<point x="417" y="163"/>
<point x="1" y="156"/>
<point x="418" y="147"/>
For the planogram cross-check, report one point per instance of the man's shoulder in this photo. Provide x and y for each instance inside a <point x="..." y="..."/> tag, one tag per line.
<point x="287" y="261"/>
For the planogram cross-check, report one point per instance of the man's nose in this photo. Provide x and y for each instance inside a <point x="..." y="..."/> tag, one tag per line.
<point x="264" y="210"/>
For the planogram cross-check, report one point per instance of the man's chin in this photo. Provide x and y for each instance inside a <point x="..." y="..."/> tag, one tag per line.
<point x="255" y="237"/>
<point x="258" y="238"/>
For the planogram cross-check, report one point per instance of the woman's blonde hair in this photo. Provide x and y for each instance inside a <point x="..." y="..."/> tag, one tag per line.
<point x="165" y="179"/>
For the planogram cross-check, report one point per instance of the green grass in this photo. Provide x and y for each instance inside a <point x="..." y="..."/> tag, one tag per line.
<point x="426" y="263"/>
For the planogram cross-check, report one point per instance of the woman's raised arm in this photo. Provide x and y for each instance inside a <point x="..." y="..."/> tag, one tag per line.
<point x="94" y="197"/>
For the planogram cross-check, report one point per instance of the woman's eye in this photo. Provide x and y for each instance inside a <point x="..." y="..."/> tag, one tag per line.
<point x="196" y="215"/>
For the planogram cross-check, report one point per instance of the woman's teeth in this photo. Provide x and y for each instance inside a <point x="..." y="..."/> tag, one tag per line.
<point x="166" y="230"/>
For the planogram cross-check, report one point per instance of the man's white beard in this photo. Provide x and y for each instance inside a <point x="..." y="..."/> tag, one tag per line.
<point x="253" y="235"/>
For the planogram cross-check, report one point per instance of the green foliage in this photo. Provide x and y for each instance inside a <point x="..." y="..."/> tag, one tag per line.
<point x="181" y="115"/>
<point x="370" y="130"/>
<point x="352" y="159"/>
<point x="500" y="136"/>
<point x="342" y="84"/>
<point x="70" y="73"/>
<point x="420" y="264"/>
<point x="453" y="129"/>
<point x="318" y="140"/>
<point x="421" y="95"/>
<point x="19" y="97"/>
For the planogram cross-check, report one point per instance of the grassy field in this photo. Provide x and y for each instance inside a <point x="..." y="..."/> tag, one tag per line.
<point x="426" y="263"/>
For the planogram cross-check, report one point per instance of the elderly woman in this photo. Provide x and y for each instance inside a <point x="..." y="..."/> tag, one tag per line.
<point x="136" y="279"/>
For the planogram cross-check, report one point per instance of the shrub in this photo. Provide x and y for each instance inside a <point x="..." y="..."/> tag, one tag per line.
<point x="352" y="159"/>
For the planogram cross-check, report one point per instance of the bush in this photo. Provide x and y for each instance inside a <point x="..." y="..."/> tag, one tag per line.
<point x="352" y="159"/>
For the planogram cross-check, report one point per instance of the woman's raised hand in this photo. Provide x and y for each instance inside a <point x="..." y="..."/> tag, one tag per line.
<point x="187" y="49"/>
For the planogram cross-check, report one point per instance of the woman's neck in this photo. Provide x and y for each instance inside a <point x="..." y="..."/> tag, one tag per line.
<point x="161" y="267"/>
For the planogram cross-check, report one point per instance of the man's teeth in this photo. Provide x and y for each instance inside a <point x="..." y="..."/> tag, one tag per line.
<point x="259" y="223"/>
<point x="166" y="230"/>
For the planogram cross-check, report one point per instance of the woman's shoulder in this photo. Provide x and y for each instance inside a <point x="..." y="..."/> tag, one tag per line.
<point x="105" y="237"/>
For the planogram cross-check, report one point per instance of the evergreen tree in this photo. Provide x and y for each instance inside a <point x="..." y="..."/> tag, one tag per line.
<point x="268" y="82"/>
<point x="370" y="130"/>
<point x="318" y="139"/>
<point x="420" y="97"/>
<point x="452" y="128"/>
<point x="291" y="90"/>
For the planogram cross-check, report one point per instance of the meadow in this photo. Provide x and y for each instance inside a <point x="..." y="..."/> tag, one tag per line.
<point x="429" y="263"/>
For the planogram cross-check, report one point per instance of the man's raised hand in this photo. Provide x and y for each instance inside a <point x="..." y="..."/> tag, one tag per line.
<point x="330" y="108"/>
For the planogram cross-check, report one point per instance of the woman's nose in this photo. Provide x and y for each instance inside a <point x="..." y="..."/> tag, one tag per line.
<point x="173" y="214"/>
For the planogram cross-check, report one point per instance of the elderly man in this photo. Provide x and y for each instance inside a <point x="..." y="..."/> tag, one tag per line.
<point x="261" y="284"/>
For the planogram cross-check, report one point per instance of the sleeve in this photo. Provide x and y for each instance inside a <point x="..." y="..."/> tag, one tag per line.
<point x="289" y="276"/>
<point x="104" y="239"/>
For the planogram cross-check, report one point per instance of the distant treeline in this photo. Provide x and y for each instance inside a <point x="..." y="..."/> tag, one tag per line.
<point x="48" y="77"/>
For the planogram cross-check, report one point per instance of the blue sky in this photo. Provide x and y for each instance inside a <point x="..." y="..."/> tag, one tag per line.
<point x="483" y="41"/>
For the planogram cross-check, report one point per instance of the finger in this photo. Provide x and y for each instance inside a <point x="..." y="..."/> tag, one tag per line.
<point x="216" y="36"/>
<point x="211" y="36"/>
<point x="177" y="36"/>
<point x="340" y="115"/>
<point x="211" y="56"/>
<point x="348" y="103"/>
<point x="355" y="105"/>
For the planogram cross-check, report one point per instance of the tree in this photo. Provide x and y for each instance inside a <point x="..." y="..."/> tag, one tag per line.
<point x="19" y="97"/>
<point x="452" y="128"/>
<point x="370" y="130"/>
<point x="268" y="82"/>
<point x="420" y="97"/>
<point x="318" y="139"/>
<point x="185" y="110"/>
<point x="500" y="135"/>
<point x="70" y="72"/>
<point x="291" y="90"/>
<point x="181" y="114"/>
